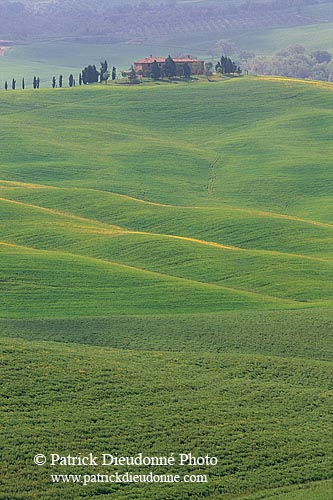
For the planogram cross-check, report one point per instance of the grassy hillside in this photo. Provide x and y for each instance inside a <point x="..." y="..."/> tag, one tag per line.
<point x="225" y="196"/>
<point x="166" y="284"/>
<point x="261" y="415"/>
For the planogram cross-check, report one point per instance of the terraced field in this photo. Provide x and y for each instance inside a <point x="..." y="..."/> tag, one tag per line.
<point x="166" y="262"/>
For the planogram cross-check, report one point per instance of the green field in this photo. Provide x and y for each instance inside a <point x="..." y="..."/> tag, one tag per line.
<point x="166" y="281"/>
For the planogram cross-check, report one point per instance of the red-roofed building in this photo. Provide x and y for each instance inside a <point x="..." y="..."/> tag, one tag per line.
<point x="144" y="66"/>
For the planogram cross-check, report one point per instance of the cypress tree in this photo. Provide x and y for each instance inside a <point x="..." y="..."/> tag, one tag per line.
<point x="187" y="70"/>
<point x="6" y="85"/>
<point x="23" y="84"/>
<point x="80" y="79"/>
<point x="71" y="80"/>
<point x="104" y="74"/>
<point x="114" y="73"/>
<point x="155" y="71"/>
<point x="53" y="82"/>
<point x="169" y="69"/>
<point x="226" y="66"/>
<point x="60" y="81"/>
<point x="13" y="84"/>
<point x="93" y="74"/>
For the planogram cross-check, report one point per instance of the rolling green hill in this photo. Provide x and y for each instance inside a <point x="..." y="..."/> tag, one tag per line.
<point x="227" y="194"/>
<point x="166" y="284"/>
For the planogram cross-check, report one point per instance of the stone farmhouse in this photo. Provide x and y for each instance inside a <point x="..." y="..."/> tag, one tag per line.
<point x="144" y="66"/>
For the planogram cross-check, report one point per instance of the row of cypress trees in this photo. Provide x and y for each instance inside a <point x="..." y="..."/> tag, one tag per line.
<point x="88" y="75"/>
<point x="35" y="83"/>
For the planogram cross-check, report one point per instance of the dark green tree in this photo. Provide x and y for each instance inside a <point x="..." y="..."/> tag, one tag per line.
<point x="169" y="68"/>
<point x="37" y="82"/>
<point x="23" y="84"/>
<point x="155" y="71"/>
<point x="232" y="66"/>
<point x="71" y="80"/>
<point x="54" y="83"/>
<point x="34" y="82"/>
<point x="226" y="66"/>
<point x="187" y="70"/>
<point x="6" y="85"/>
<point x="80" y="79"/>
<point x="13" y="84"/>
<point x="114" y="73"/>
<point x="90" y="74"/>
<point x="103" y="73"/>
<point x="60" y="81"/>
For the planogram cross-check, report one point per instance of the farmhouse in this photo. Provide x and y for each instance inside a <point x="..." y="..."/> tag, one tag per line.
<point x="144" y="66"/>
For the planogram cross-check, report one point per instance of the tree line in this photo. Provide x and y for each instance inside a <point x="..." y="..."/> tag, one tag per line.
<point x="226" y="66"/>
<point x="293" y="62"/>
<point x="89" y="74"/>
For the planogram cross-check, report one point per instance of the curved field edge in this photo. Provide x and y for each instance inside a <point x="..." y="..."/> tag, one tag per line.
<point x="39" y="283"/>
<point x="270" y="414"/>
<point x="272" y="273"/>
<point x="241" y="228"/>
